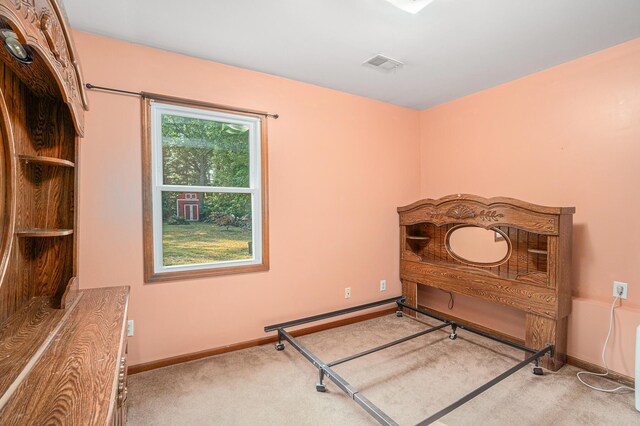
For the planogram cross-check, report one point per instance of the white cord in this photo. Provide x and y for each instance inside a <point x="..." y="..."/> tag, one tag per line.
<point x="604" y="361"/>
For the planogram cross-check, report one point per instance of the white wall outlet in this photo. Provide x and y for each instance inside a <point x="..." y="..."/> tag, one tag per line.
<point x="130" y="328"/>
<point x="347" y="292"/>
<point x="383" y="285"/>
<point x="617" y="286"/>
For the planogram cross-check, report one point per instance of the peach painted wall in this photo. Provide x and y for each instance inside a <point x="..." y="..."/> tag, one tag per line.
<point x="566" y="136"/>
<point x="338" y="164"/>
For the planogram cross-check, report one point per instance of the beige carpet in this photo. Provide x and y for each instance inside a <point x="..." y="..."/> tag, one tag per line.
<point x="260" y="386"/>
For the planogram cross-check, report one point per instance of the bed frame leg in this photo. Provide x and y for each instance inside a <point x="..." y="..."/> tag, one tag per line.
<point x="537" y="370"/>
<point x="320" y="386"/>
<point x="453" y="335"/>
<point x="279" y="345"/>
<point x="399" y="311"/>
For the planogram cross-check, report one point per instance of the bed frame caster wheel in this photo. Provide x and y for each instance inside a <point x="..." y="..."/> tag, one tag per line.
<point x="399" y="314"/>
<point x="280" y="347"/>
<point x="538" y="371"/>
<point x="321" y="387"/>
<point x="453" y="336"/>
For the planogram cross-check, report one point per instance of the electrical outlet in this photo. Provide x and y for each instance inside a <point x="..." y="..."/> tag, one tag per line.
<point x="617" y="286"/>
<point x="130" y="328"/>
<point x="383" y="285"/>
<point x="347" y="292"/>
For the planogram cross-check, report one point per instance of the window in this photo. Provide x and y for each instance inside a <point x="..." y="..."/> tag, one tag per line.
<point x="204" y="191"/>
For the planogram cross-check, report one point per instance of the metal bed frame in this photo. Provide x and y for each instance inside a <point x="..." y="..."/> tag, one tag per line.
<point x="326" y="369"/>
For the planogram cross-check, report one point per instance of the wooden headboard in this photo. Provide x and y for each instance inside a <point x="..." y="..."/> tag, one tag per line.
<point x="534" y="276"/>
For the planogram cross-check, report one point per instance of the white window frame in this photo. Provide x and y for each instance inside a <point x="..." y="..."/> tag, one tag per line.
<point x="255" y="182"/>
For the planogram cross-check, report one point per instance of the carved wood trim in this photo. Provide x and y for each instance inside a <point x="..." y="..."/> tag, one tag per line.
<point x="486" y="213"/>
<point x="53" y="35"/>
<point x="61" y="14"/>
<point x="488" y="202"/>
<point x="42" y="25"/>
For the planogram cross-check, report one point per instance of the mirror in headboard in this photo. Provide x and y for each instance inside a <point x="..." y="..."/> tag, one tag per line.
<point x="42" y="105"/>
<point x="476" y="246"/>
<point x="500" y="250"/>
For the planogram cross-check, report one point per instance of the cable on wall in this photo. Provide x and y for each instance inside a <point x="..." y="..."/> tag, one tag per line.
<point x="451" y="300"/>
<point x="604" y="361"/>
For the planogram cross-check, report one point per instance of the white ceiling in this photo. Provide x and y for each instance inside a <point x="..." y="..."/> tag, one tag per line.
<point x="450" y="49"/>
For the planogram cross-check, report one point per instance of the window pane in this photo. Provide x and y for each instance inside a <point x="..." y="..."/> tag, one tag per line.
<point x="204" y="152"/>
<point x="205" y="227"/>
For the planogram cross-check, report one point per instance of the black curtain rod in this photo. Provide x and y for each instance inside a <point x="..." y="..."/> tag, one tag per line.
<point x="180" y="100"/>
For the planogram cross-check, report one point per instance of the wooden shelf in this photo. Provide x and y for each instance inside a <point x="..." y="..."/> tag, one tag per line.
<point x="49" y="161"/>
<point x="43" y="233"/>
<point x="415" y="237"/>
<point x="536" y="251"/>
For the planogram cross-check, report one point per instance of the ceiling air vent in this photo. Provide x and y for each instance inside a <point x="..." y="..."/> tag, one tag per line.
<point x="383" y="63"/>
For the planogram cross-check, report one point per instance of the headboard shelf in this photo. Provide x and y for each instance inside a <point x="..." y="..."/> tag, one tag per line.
<point x="501" y="250"/>
<point x="536" y="251"/>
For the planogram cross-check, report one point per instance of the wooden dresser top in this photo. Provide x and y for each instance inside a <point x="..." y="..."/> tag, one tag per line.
<point x="61" y="366"/>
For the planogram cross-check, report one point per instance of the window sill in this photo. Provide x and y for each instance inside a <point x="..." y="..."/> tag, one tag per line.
<point x="157" y="277"/>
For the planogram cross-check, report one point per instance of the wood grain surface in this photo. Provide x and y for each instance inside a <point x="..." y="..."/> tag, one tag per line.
<point x="410" y="291"/>
<point x="43" y="233"/>
<point x="541" y="331"/>
<point x="75" y="381"/>
<point x="39" y="178"/>
<point x="23" y="334"/>
<point x="51" y="161"/>
<point x="522" y="296"/>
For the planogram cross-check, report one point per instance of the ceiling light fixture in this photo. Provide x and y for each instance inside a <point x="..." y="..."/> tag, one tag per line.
<point x="411" y="6"/>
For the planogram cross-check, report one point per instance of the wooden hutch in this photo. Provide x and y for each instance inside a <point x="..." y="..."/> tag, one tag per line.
<point x="533" y="275"/>
<point x="62" y="351"/>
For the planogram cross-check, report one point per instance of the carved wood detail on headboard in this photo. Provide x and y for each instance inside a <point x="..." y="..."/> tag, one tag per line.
<point x="535" y="278"/>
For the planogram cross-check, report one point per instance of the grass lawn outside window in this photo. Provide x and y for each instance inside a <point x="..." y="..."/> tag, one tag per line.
<point x="199" y="242"/>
